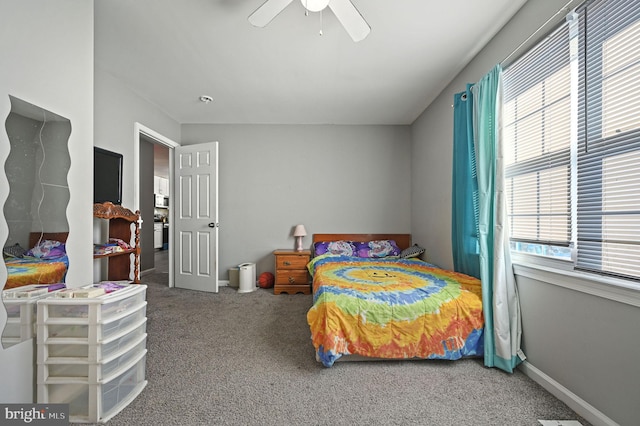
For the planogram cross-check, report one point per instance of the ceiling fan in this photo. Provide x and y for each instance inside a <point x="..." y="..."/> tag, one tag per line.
<point x="345" y="11"/>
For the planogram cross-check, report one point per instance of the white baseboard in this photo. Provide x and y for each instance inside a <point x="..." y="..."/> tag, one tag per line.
<point x="577" y="404"/>
<point x="223" y="283"/>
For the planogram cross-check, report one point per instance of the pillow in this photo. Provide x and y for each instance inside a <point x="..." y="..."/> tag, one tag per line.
<point x="377" y="248"/>
<point x="13" y="251"/>
<point x="345" y="248"/>
<point x="413" y="251"/>
<point x="48" y="249"/>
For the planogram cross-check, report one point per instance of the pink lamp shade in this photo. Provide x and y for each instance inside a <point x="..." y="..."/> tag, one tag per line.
<point x="299" y="232"/>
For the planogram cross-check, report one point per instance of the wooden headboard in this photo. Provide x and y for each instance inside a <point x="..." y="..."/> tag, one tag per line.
<point x="56" y="236"/>
<point x="402" y="240"/>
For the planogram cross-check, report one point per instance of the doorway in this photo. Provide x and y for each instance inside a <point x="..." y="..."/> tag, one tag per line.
<point x="162" y="197"/>
<point x="153" y="171"/>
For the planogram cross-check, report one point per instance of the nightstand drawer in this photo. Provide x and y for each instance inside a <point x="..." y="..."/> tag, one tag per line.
<point x="291" y="272"/>
<point x="292" y="277"/>
<point x="284" y="261"/>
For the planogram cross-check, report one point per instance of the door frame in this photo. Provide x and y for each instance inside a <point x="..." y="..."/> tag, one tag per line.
<point x="140" y="129"/>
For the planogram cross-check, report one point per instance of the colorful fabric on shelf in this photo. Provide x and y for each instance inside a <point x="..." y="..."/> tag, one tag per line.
<point x="29" y="270"/>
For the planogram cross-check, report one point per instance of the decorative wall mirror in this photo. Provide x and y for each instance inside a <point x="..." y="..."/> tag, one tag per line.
<point x="35" y="210"/>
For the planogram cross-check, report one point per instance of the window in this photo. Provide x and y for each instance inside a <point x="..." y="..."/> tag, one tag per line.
<point x="537" y="135"/>
<point x="571" y="122"/>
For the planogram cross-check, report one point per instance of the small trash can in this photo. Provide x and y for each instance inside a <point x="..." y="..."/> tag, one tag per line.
<point x="234" y="277"/>
<point x="247" y="277"/>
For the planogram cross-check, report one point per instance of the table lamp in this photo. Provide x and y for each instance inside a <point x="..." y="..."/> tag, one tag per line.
<point x="299" y="232"/>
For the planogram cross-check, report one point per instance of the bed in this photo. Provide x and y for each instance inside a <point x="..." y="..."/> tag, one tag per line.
<point x="46" y="261"/>
<point x="373" y="304"/>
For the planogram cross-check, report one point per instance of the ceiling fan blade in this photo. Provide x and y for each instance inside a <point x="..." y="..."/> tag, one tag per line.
<point x="269" y="10"/>
<point x="350" y="18"/>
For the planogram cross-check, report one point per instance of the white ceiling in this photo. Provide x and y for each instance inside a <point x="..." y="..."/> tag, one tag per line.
<point x="171" y="52"/>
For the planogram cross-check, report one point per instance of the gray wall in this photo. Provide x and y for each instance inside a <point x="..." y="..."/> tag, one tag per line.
<point x="329" y="178"/>
<point x="117" y="109"/>
<point x="581" y="340"/>
<point x="47" y="56"/>
<point x="559" y="336"/>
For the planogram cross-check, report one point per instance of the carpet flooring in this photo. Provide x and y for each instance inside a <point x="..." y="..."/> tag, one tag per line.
<point x="247" y="359"/>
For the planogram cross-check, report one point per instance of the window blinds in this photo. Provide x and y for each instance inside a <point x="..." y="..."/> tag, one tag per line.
<point x="537" y="138"/>
<point x="608" y="167"/>
<point x="571" y="127"/>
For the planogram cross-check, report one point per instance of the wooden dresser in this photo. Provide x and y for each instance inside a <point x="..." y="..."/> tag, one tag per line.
<point x="291" y="272"/>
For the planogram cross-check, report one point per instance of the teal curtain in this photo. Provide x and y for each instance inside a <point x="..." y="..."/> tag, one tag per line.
<point x="503" y="329"/>
<point x="479" y="231"/>
<point x="464" y="207"/>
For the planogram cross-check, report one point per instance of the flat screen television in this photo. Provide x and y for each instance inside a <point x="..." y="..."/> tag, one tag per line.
<point x="107" y="176"/>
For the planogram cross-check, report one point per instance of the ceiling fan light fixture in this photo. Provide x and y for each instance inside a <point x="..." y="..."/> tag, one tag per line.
<point x="346" y="12"/>
<point x="315" y="5"/>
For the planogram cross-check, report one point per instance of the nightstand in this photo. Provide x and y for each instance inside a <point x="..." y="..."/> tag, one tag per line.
<point x="291" y="272"/>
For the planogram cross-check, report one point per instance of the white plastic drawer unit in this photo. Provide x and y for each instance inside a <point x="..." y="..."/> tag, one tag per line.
<point x="99" y="401"/>
<point x="54" y="329"/>
<point x="98" y="309"/>
<point x="78" y="367"/>
<point x="89" y="332"/>
<point x="74" y="348"/>
<point x="91" y="352"/>
<point x="92" y="320"/>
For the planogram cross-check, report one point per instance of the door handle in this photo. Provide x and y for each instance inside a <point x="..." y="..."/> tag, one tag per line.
<point x="212" y="225"/>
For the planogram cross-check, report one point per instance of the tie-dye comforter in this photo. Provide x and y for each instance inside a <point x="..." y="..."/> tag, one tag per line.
<point x="29" y="270"/>
<point x="393" y="308"/>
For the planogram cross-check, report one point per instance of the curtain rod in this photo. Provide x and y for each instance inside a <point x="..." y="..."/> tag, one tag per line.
<point x="552" y="21"/>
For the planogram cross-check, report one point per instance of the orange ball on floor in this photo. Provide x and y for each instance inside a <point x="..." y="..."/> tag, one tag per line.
<point x="266" y="280"/>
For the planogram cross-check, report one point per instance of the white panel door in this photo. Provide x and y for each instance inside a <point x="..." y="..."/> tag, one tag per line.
<point x="196" y="217"/>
